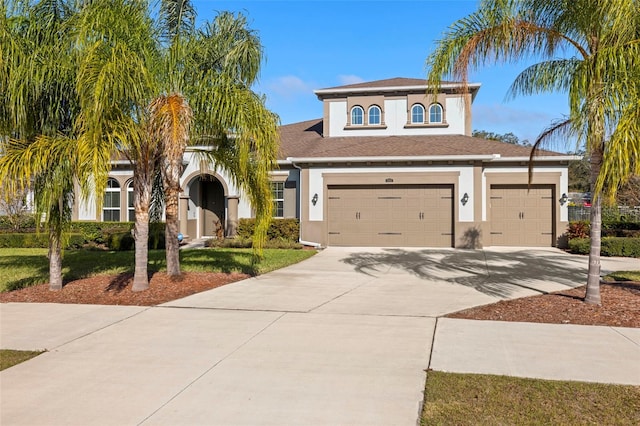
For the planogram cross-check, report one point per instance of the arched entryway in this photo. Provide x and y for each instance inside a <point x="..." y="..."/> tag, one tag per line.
<point x="207" y="209"/>
<point x="212" y="207"/>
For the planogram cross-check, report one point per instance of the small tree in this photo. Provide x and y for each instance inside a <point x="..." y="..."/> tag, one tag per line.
<point x="13" y="205"/>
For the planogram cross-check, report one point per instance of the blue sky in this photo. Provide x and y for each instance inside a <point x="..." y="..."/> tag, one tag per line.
<point x="314" y="44"/>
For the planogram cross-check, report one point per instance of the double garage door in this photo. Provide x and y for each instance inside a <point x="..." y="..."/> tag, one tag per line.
<point x="390" y="215"/>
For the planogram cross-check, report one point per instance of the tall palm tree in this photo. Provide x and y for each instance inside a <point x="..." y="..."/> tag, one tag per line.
<point x="38" y="107"/>
<point x="116" y="82"/>
<point x="147" y="88"/>
<point x="588" y="49"/>
<point x="208" y="100"/>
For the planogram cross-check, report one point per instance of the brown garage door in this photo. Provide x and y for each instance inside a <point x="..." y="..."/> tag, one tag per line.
<point x="390" y="215"/>
<point x="521" y="216"/>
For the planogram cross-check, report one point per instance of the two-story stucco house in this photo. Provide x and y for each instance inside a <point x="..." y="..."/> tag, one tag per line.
<point x="386" y="165"/>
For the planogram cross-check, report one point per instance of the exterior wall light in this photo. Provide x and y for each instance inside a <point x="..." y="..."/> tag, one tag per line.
<point x="465" y="199"/>
<point x="314" y="200"/>
<point x="563" y="199"/>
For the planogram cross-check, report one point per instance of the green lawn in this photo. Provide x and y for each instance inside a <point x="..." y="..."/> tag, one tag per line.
<point x="23" y="267"/>
<point x="475" y="399"/>
<point x="623" y="276"/>
<point x="9" y="358"/>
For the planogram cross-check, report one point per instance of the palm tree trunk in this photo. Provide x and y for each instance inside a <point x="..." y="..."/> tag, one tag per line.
<point x="142" y="184"/>
<point x="171" y="233"/>
<point x="55" y="260"/>
<point x="592" y="295"/>
<point x="141" y="232"/>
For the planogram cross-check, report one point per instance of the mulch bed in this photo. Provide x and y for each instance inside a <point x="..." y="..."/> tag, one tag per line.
<point x="620" y="307"/>
<point x="116" y="290"/>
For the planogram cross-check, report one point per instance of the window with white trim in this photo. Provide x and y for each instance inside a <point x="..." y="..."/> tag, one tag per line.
<point x="357" y="116"/>
<point x="131" y="211"/>
<point x="277" y="194"/>
<point x="374" y="116"/>
<point x="435" y="113"/>
<point x="111" y="203"/>
<point x="417" y="114"/>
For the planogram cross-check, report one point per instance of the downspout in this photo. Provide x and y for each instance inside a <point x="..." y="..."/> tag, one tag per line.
<point x="300" y="240"/>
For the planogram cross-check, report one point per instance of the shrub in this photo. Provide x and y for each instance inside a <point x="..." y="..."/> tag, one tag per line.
<point x="100" y="232"/>
<point x="611" y="246"/>
<point x="33" y="240"/>
<point x="123" y="241"/>
<point x="280" y="229"/>
<point x="18" y="223"/>
<point x="240" y="242"/>
<point x="626" y="233"/>
<point x="578" y="229"/>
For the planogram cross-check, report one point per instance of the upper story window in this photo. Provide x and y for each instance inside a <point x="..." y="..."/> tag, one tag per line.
<point x="357" y="116"/>
<point x="417" y="114"/>
<point x="277" y="193"/>
<point x="435" y="113"/>
<point x="374" y="115"/>
<point x="111" y="204"/>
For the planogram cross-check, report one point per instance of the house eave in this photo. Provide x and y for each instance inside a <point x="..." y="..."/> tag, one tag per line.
<point x="320" y="93"/>
<point x="542" y="158"/>
<point x="392" y="159"/>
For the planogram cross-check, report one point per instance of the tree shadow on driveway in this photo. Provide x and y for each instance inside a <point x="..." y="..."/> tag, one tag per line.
<point x="495" y="273"/>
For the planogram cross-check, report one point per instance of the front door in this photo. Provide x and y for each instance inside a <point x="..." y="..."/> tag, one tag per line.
<point x="212" y="208"/>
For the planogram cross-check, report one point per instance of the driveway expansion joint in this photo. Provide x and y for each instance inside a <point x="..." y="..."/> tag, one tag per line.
<point x="55" y="348"/>
<point x="615" y="329"/>
<point x="217" y="363"/>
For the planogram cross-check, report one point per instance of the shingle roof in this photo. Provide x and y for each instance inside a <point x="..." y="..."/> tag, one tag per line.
<point x="304" y="140"/>
<point x="389" y="82"/>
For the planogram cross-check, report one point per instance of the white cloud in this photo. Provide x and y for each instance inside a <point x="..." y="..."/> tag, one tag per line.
<point x="350" y="79"/>
<point x="289" y="86"/>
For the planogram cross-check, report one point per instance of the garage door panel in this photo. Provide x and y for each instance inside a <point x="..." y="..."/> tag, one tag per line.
<point x="391" y="215"/>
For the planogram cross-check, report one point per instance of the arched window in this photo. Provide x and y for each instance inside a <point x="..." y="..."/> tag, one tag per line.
<point x="417" y="114"/>
<point x="357" y="116"/>
<point x="435" y="113"/>
<point x="374" y="115"/>
<point x="131" y="211"/>
<point x="111" y="204"/>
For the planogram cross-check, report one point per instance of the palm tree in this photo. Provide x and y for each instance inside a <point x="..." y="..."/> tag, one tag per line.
<point x="38" y="144"/>
<point x="139" y="82"/>
<point x="589" y="49"/>
<point x="208" y="100"/>
<point x="116" y="82"/>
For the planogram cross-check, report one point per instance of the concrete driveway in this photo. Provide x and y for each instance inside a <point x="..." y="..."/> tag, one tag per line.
<point x="342" y="338"/>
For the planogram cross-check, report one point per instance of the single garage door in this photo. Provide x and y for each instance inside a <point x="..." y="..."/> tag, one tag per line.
<point x="522" y="216"/>
<point x="390" y="215"/>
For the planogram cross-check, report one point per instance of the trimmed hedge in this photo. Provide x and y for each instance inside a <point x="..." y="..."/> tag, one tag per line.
<point x="611" y="246"/>
<point x="33" y="240"/>
<point x="100" y="232"/>
<point x="280" y="229"/>
<point x="248" y="243"/>
<point x="115" y="235"/>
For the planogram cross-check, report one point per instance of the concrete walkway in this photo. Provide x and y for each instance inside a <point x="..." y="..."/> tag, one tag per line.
<point x="342" y="338"/>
